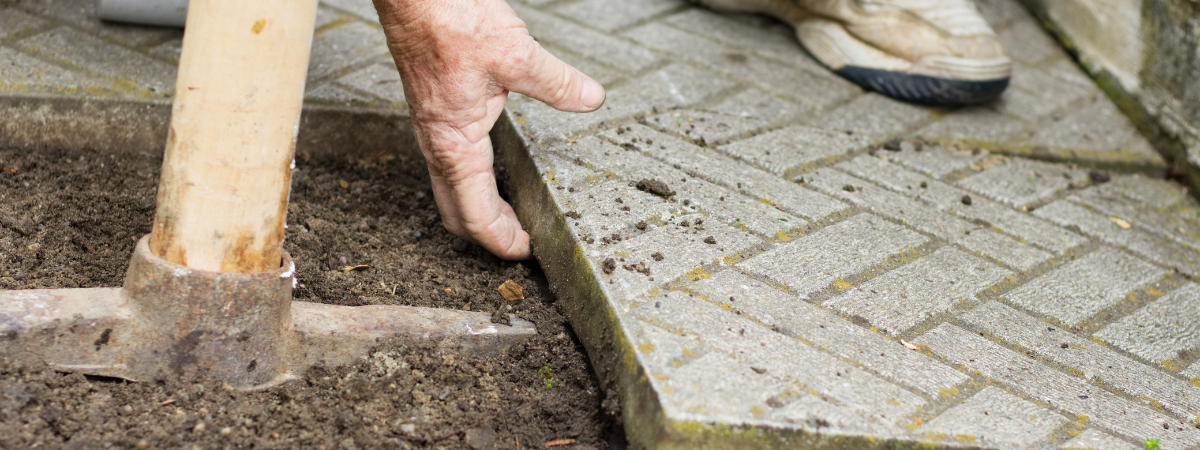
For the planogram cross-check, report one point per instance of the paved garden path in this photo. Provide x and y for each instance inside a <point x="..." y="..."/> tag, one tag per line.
<point x="759" y="254"/>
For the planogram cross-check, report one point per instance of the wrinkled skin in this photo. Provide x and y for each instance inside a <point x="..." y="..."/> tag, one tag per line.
<point x="459" y="59"/>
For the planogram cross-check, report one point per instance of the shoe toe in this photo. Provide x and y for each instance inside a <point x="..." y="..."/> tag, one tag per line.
<point x="923" y="88"/>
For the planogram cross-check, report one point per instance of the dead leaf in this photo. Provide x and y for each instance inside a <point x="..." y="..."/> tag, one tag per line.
<point x="909" y="345"/>
<point x="1120" y="223"/>
<point x="558" y="442"/>
<point x="511" y="291"/>
<point x="358" y="267"/>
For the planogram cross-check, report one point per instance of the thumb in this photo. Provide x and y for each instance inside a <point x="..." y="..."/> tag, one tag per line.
<point x="553" y="82"/>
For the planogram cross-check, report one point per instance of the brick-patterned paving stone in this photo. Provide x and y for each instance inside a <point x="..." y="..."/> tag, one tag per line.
<point x="1149" y="246"/>
<point x="1093" y="360"/>
<point x="753" y="33"/>
<point x="725" y="171"/>
<point x="1092" y="439"/>
<point x="835" y="252"/>
<point x="794" y="149"/>
<point x="336" y="51"/>
<point x="931" y="286"/>
<point x="778" y="356"/>
<point x="953" y="200"/>
<point x="1035" y="43"/>
<point x="934" y="160"/>
<point x="823" y="328"/>
<point x="691" y="194"/>
<point x="13" y="22"/>
<point x="1156" y="207"/>
<point x="609" y="15"/>
<point x="685" y="86"/>
<point x="1098" y="127"/>
<point x="1068" y="394"/>
<point x="380" y="80"/>
<point x="978" y="123"/>
<point x="1007" y="251"/>
<point x="637" y="270"/>
<point x="24" y="72"/>
<point x="1034" y="95"/>
<point x="766" y="74"/>
<point x="586" y="42"/>
<point x="995" y="418"/>
<point x="1076" y="291"/>
<point x="363" y="9"/>
<point x="90" y="54"/>
<point x="908" y="211"/>
<point x="1022" y="182"/>
<point x="876" y="117"/>
<point x="1162" y="330"/>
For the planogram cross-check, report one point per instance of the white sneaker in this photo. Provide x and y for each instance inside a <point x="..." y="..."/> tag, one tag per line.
<point x="927" y="51"/>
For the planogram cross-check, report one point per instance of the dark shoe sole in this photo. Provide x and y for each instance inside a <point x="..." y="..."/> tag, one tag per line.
<point x="924" y="89"/>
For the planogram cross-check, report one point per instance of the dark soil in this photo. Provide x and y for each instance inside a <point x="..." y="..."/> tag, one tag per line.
<point x="70" y="219"/>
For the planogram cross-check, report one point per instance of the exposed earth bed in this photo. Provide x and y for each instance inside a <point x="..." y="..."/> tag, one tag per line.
<point x="362" y="232"/>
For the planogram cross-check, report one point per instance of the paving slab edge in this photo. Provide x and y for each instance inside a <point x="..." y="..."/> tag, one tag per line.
<point x="613" y="356"/>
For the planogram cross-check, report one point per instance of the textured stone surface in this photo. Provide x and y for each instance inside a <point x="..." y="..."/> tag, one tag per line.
<point x="1091" y="439"/>
<point x="825" y="258"/>
<point x="1147" y="245"/>
<point x="927" y="288"/>
<point x="794" y="149"/>
<point x="1070" y="395"/>
<point x="1024" y="183"/>
<point x="1092" y="360"/>
<point x="995" y="418"/>
<point x="1074" y="292"/>
<point x="825" y="329"/>
<point x="1164" y="330"/>
<point x="762" y="301"/>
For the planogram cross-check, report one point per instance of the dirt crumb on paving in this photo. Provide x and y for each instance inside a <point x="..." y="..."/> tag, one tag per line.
<point x="655" y="187"/>
<point x="70" y="219"/>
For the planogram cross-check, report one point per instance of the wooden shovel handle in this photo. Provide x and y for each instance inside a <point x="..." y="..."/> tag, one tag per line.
<point x="222" y="198"/>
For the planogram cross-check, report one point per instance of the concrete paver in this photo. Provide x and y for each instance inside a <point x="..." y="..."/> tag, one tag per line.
<point x="835" y="269"/>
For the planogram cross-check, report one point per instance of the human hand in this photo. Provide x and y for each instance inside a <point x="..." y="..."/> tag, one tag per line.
<point x="459" y="59"/>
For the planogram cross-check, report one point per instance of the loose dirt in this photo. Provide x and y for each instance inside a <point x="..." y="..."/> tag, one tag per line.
<point x="70" y="219"/>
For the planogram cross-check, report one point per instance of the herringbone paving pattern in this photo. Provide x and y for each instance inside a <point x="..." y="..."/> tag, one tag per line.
<point x="836" y="268"/>
<point x="821" y="265"/>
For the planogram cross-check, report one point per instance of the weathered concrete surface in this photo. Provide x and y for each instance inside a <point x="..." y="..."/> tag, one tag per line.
<point x="981" y="282"/>
<point x="1144" y="53"/>
<point x="976" y="283"/>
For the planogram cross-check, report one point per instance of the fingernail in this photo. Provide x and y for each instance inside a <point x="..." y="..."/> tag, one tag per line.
<point x="592" y="95"/>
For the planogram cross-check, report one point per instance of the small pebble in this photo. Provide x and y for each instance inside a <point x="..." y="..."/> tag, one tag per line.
<point x="710" y="240"/>
<point x="966" y="200"/>
<point x="416" y="235"/>
<point x="143" y="444"/>
<point x="226" y="431"/>
<point x="408" y="428"/>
